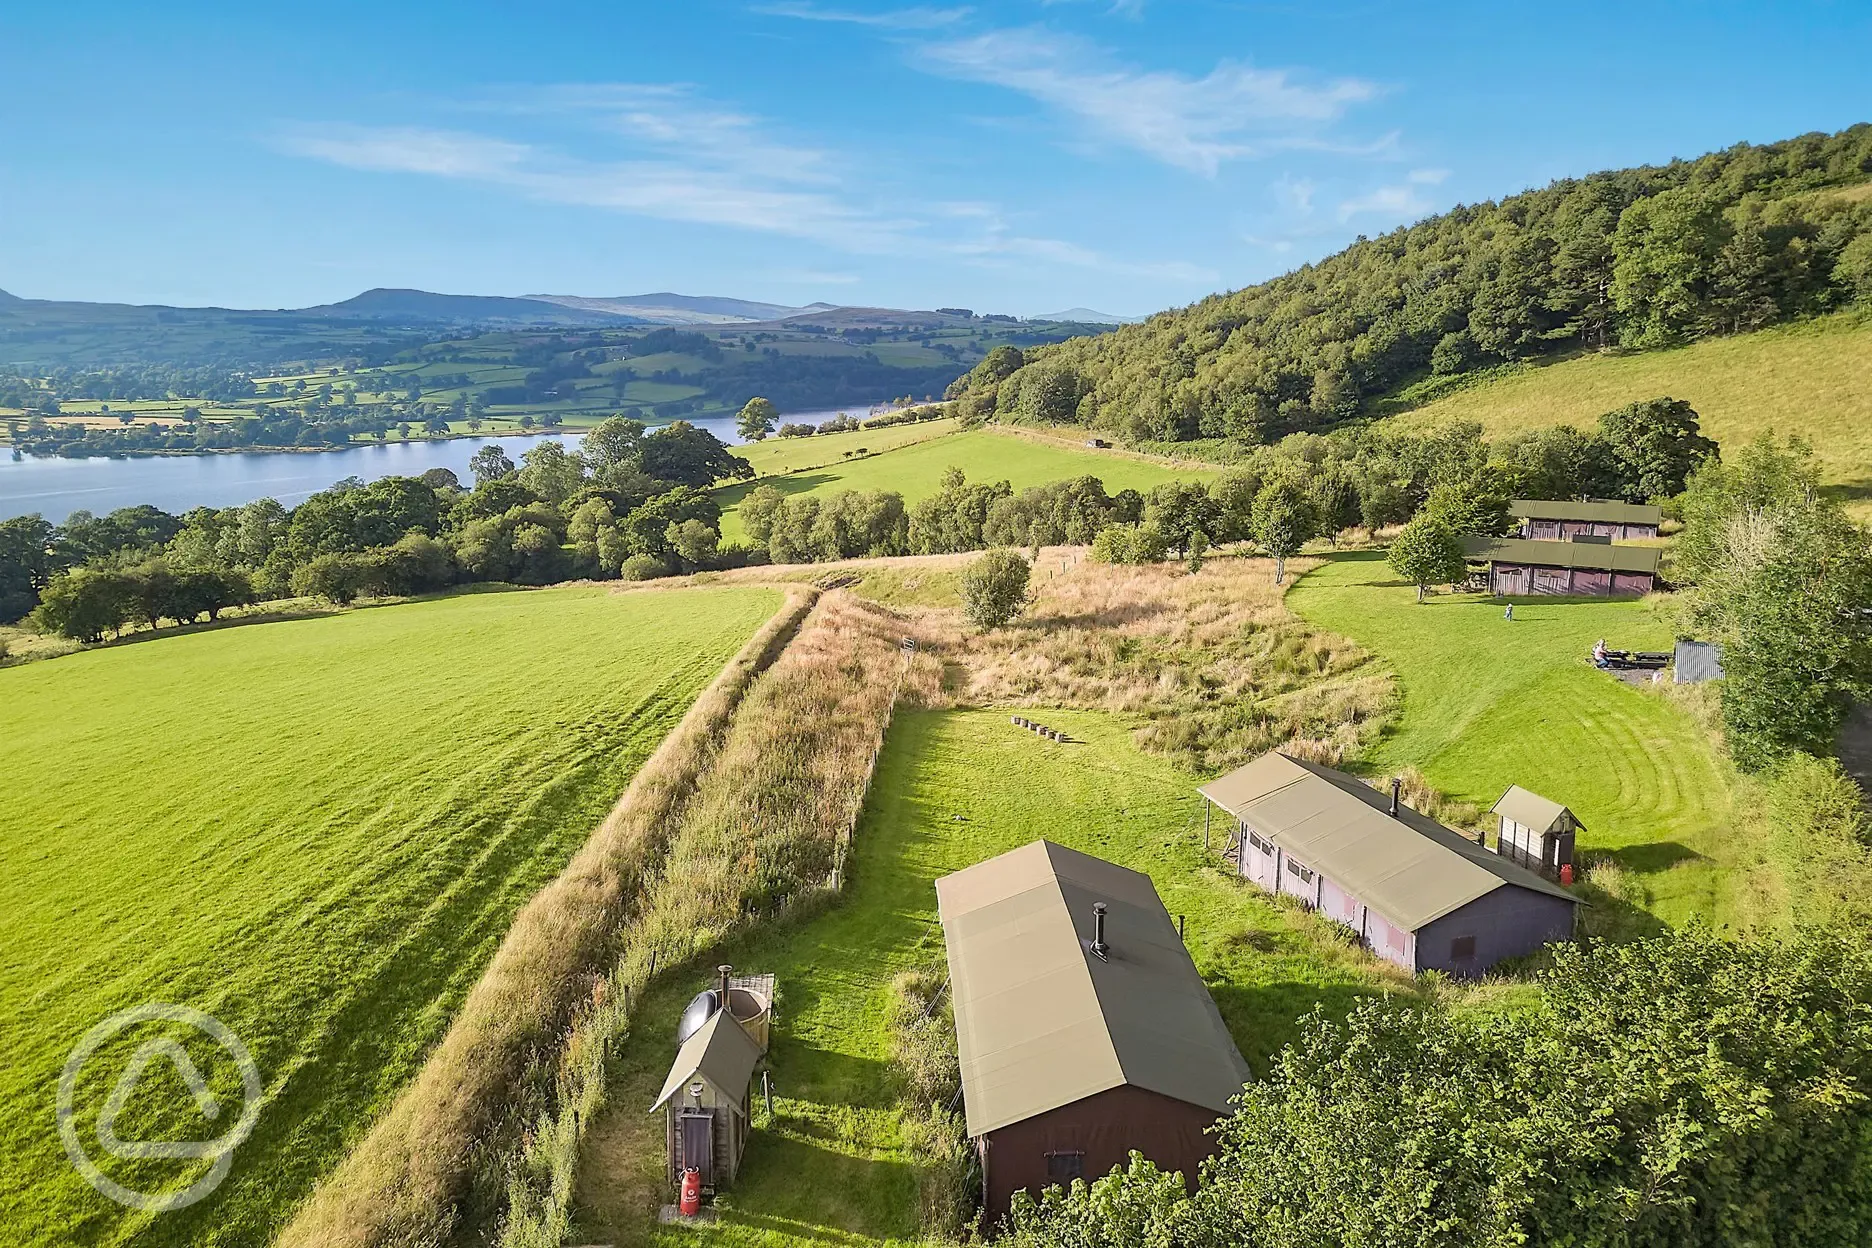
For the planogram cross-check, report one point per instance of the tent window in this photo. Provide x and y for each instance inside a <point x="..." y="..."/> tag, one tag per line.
<point x="1462" y="949"/>
<point x="1305" y="873"/>
<point x="1266" y="847"/>
<point x="1065" y="1167"/>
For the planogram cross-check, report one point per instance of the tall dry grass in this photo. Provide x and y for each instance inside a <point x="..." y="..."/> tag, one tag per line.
<point x="1216" y="665"/>
<point x="407" y="1181"/>
<point x="766" y="829"/>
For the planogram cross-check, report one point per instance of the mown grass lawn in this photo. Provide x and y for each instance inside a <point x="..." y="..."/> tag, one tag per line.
<point x="952" y="788"/>
<point x="315" y="830"/>
<point x="984" y="455"/>
<point x="1488" y="703"/>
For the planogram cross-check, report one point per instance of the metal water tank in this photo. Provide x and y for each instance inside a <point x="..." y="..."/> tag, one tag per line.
<point x="697" y="1014"/>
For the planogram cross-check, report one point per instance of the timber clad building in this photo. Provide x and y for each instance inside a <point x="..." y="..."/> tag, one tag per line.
<point x="1074" y="1054"/>
<point x="1417" y="893"/>
<point x="1519" y="567"/>
<point x="1559" y="521"/>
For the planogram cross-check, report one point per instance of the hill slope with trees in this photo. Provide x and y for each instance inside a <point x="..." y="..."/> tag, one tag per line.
<point x="1635" y="259"/>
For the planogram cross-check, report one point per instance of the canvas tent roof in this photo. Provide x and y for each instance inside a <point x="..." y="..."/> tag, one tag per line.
<point x="1410" y="868"/>
<point x="1592" y="510"/>
<point x="1041" y="1023"/>
<point x="1529" y="809"/>
<point x="1599" y="556"/>
<point x="721" y="1053"/>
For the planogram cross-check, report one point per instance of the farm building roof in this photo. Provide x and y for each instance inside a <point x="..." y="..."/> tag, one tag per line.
<point x="1041" y="1022"/>
<point x="1410" y="868"/>
<point x="1597" y="556"/>
<point x="1593" y="510"/>
<point x="1529" y="809"/>
<point x="721" y="1052"/>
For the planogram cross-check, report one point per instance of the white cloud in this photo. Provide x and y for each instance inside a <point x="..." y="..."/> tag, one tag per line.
<point x="919" y="18"/>
<point x="403" y="149"/>
<point x="1296" y="193"/>
<point x="1393" y="203"/>
<point x="1233" y="112"/>
<point x="1428" y="177"/>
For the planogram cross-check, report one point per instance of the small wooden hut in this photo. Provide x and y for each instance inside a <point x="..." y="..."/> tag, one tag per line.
<point x="707" y="1098"/>
<point x="1535" y="831"/>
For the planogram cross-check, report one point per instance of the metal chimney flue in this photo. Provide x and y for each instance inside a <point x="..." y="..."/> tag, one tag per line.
<point x="1100" y="949"/>
<point x="724" y="971"/>
<point x="1396" y="784"/>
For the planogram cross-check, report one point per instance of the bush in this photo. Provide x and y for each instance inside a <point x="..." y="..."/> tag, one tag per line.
<point x="643" y="568"/>
<point x="1426" y="553"/>
<point x="1130" y="543"/>
<point x="994" y="589"/>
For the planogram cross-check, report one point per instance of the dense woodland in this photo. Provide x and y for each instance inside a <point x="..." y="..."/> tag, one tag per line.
<point x="1633" y="259"/>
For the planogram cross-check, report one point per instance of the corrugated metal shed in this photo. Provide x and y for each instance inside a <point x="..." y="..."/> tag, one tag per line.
<point x="1595" y="555"/>
<point x="1593" y="510"/>
<point x="1041" y="1023"/>
<point x="1529" y="809"/>
<point x="1410" y="868"/>
<point x="1695" y="662"/>
<point x="721" y="1053"/>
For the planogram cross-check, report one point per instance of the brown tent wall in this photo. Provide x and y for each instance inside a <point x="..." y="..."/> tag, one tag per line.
<point x="1507" y="923"/>
<point x="1524" y="580"/>
<point x="1105" y="1128"/>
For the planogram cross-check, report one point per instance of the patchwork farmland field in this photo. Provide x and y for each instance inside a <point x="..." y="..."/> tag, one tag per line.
<point x="1488" y="703"/>
<point x="915" y="471"/>
<point x="316" y="831"/>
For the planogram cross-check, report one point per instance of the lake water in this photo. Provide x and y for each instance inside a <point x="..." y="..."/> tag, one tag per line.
<point x="56" y="487"/>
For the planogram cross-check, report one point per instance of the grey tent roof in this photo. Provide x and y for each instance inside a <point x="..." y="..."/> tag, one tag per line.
<point x="1530" y="809"/>
<point x="1411" y="868"/>
<point x="1041" y="1023"/>
<point x="1599" y="556"/>
<point x="1593" y="510"/>
<point x="1695" y="662"/>
<point x="721" y="1053"/>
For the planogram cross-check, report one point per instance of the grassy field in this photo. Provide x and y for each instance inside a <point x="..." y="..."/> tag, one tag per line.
<point x="1808" y="379"/>
<point x="952" y="788"/>
<point x="775" y="456"/>
<point x="1488" y="703"/>
<point x="915" y="471"/>
<point x="315" y="830"/>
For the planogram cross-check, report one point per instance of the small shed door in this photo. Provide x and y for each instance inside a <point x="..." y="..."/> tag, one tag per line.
<point x="696" y="1137"/>
<point x="1550" y="580"/>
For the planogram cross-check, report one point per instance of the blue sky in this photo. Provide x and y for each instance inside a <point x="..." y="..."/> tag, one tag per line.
<point x="1019" y="156"/>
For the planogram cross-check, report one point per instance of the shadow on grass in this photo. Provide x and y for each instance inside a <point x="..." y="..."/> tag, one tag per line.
<point x="805" y="1191"/>
<point x="1654" y="857"/>
<point x="791" y="483"/>
<point x="1266" y="1018"/>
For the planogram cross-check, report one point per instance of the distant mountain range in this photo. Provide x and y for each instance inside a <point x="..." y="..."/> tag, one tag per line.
<point x="382" y="320"/>
<point x="1087" y="316"/>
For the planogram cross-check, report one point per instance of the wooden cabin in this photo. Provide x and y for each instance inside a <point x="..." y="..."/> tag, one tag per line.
<point x="1418" y="894"/>
<point x="1521" y="567"/>
<point x="1562" y="521"/>
<point x="707" y="1098"/>
<point x="1083" y="1027"/>
<point x="1535" y="831"/>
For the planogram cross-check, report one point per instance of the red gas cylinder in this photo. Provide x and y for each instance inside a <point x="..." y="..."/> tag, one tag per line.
<point x="1566" y="874"/>
<point x="689" y="1203"/>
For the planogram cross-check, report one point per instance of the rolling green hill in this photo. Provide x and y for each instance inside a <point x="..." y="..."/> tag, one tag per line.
<point x="316" y="831"/>
<point x="1814" y="379"/>
<point x="916" y="470"/>
<point x="1646" y="258"/>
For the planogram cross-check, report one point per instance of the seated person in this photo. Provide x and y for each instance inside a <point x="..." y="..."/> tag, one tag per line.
<point x="1599" y="654"/>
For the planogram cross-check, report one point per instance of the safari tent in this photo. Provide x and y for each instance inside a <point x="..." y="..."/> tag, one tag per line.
<point x="1084" y="1029"/>
<point x="1562" y="521"/>
<point x="1417" y="893"/>
<point x="1520" y="567"/>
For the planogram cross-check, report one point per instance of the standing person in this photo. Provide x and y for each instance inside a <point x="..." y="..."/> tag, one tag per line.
<point x="1508" y="613"/>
